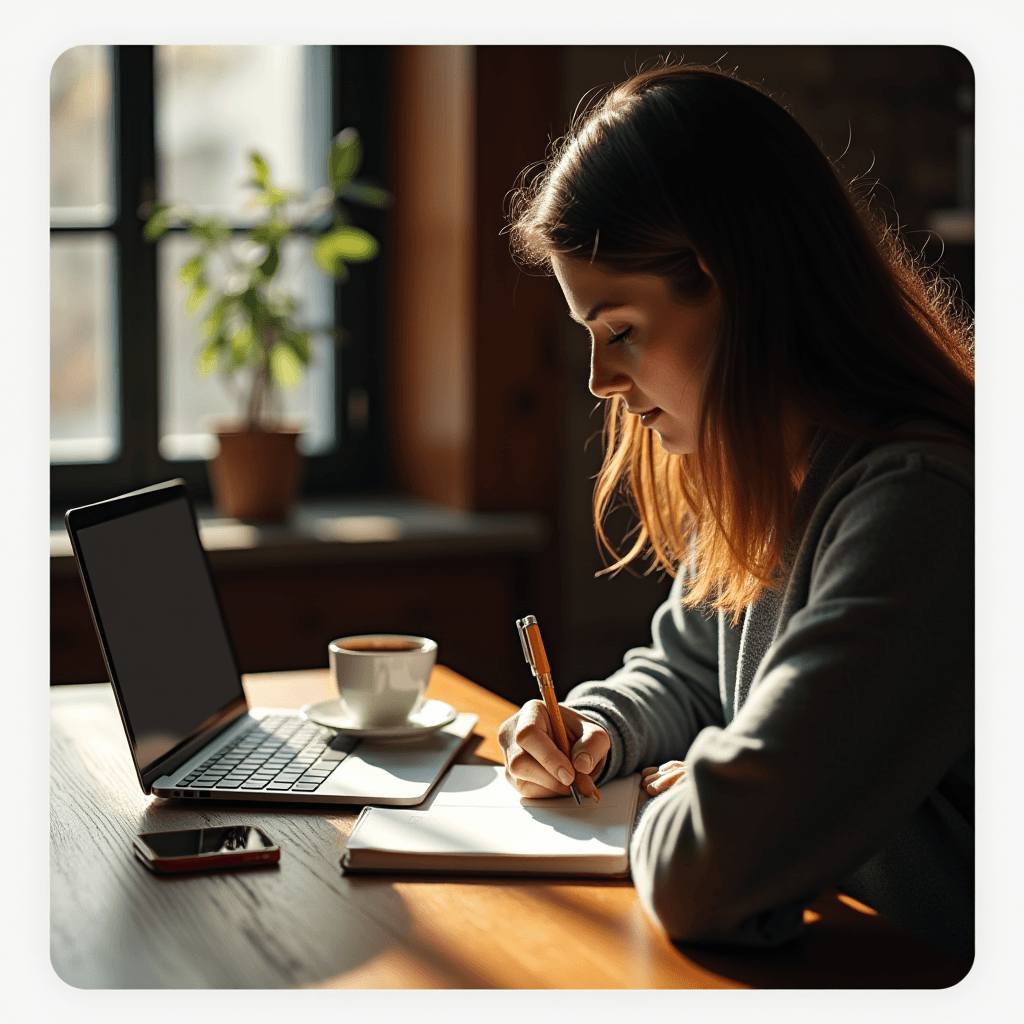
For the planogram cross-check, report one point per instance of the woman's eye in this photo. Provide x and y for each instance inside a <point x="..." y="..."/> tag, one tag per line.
<point x="621" y="336"/>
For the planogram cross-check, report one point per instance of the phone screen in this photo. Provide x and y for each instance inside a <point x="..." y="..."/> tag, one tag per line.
<point x="230" y="839"/>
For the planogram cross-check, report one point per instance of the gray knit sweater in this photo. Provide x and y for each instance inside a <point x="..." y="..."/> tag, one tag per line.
<point x="830" y="735"/>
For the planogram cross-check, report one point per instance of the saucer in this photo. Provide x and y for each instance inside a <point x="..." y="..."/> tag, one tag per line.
<point x="433" y="715"/>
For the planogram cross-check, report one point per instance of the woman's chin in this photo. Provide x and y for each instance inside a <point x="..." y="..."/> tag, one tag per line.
<point x="674" y="445"/>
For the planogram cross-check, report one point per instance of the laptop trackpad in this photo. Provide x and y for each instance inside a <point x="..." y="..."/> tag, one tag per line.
<point x="399" y="773"/>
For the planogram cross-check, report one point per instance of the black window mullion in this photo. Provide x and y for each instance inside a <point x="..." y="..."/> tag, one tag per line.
<point x="359" y="98"/>
<point x="135" y="145"/>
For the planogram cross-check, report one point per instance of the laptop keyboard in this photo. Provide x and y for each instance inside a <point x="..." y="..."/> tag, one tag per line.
<point x="281" y="753"/>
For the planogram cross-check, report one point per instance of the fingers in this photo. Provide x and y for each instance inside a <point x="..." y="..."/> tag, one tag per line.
<point x="657" y="780"/>
<point x="589" y="751"/>
<point x="534" y="765"/>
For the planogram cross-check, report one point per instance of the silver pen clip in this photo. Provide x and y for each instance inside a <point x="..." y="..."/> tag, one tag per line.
<point x="521" y="625"/>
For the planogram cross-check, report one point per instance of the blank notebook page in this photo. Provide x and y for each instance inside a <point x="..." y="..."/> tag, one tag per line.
<point x="476" y="812"/>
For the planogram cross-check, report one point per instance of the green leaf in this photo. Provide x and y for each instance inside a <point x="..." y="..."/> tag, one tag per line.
<point x="345" y="244"/>
<point x="367" y="195"/>
<point x="285" y="366"/>
<point x="268" y="268"/>
<point x="299" y="341"/>
<point x="273" y="197"/>
<point x="243" y="341"/>
<point x="260" y="170"/>
<point x="212" y="324"/>
<point x="345" y="158"/>
<point x="270" y="233"/>
<point x="191" y="271"/>
<point x="212" y="231"/>
<point x="209" y="354"/>
<point x="255" y="305"/>
<point x="159" y="221"/>
<point x="198" y="295"/>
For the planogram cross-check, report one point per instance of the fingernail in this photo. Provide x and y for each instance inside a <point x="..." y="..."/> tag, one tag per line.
<point x="584" y="763"/>
<point x="564" y="776"/>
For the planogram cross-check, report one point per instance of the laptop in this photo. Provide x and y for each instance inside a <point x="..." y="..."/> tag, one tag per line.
<point x="178" y="686"/>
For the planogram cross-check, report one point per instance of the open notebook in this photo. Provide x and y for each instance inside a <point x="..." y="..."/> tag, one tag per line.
<point x="476" y="823"/>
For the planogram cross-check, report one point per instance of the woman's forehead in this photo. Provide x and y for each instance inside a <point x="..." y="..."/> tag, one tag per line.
<point x="591" y="289"/>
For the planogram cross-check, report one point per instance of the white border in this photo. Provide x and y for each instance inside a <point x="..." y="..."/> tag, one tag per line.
<point x="988" y="32"/>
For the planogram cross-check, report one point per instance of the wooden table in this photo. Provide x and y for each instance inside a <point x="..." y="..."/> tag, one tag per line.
<point x="303" y="923"/>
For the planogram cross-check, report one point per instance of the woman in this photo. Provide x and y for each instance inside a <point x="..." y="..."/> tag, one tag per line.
<point x="790" y="412"/>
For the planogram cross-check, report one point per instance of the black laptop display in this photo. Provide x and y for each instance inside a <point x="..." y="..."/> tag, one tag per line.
<point x="168" y="653"/>
<point x="177" y="681"/>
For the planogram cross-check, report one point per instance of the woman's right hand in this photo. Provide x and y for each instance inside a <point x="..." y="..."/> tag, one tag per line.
<point x="535" y="766"/>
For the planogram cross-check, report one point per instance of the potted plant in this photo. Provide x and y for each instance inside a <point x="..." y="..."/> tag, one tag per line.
<point x="249" y="324"/>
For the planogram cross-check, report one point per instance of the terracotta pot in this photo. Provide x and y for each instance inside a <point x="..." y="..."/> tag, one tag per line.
<point x="256" y="474"/>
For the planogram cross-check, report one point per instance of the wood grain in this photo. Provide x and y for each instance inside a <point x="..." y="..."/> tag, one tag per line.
<point x="303" y="923"/>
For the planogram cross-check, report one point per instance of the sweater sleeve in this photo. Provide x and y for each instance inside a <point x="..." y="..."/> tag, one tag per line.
<point x="857" y="711"/>
<point x="663" y="695"/>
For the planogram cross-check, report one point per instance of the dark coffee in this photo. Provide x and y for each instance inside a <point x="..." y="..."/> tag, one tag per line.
<point x="381" y="643"/>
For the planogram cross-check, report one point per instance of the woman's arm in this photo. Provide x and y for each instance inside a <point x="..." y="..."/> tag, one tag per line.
<point x="656" y="704"/>
<point x="857" y="712"/>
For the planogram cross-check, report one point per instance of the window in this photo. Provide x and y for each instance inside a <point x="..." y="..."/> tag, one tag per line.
<point x="133" y="124"/>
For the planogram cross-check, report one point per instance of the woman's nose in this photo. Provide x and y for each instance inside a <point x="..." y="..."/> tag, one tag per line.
<point x="606" y="379"/>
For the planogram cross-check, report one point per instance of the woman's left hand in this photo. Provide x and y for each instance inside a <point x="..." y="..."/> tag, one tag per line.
<point x="657" y="780"/>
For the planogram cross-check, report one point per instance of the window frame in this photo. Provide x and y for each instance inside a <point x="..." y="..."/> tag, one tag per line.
<point x="359" y="96"/>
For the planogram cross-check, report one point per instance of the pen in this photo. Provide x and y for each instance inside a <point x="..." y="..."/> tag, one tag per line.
<point x="537" y="659"/>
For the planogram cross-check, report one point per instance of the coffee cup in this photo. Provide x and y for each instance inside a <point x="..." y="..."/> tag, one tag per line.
<point x="381" y="677"/>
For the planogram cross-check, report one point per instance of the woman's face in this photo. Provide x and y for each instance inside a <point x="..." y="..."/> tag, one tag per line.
<point x="645" y="345"/>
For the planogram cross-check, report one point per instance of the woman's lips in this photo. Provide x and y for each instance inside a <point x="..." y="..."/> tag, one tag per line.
<point x="647" y="418"/>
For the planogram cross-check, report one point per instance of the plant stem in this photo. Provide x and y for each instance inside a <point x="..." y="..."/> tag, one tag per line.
<point x="257" y="395"/>
<point x="261" y="385"/>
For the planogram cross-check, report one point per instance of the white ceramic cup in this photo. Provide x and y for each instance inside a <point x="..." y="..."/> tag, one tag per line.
<point x="381" y="677"/>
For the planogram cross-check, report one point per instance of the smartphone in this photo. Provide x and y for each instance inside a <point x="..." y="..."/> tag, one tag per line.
<point x="203" y="849"/>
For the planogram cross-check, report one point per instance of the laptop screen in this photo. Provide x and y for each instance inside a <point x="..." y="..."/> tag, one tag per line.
<point x="166" y="641"/>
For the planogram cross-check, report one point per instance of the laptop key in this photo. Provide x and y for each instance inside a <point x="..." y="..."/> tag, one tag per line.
<point x="345" y="744"/>
<point x="253" y="784"/>
<point x="304" y="787"/>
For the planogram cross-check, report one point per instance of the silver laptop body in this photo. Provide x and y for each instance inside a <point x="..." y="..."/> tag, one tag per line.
<point x="177" y="682"/>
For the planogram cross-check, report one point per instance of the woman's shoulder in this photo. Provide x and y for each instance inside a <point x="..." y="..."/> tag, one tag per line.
<point x="923" y="449"/>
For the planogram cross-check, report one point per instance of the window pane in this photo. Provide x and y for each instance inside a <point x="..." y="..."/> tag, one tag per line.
<point x="190" y="405"/>
<point x="83" y="405"/>
<point x="81" y="180"/>
<point x="214" y="104"/>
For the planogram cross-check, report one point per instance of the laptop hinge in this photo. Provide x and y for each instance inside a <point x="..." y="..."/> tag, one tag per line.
<point x="170" y="764"/>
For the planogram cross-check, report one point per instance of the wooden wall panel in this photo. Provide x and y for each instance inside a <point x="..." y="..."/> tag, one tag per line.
<point x="432" y="286"/>
<point x="476" y="371"/>
<point x="518" y="369"/>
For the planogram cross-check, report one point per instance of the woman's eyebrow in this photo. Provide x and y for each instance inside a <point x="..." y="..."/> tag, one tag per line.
<point x="592" y="314"/>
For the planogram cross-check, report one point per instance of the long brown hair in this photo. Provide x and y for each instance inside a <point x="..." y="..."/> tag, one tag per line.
<point x="824" y="311"/>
